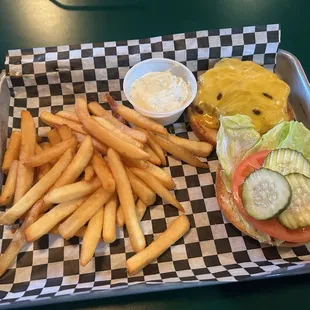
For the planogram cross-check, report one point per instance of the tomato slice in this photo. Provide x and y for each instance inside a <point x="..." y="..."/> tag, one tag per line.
<point x="271" y="227"/>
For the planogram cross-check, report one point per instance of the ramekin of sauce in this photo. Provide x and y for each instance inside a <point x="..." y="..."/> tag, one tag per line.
<point x="160" y="88"/>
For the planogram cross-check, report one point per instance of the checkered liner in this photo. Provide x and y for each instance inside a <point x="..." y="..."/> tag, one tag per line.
<point x="50" y="79"/>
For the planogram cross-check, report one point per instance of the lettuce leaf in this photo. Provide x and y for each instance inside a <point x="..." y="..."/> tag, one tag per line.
<point x="237" y="138"/>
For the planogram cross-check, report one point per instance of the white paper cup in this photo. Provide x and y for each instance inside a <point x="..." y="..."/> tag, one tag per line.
<point x="160" y="65"/>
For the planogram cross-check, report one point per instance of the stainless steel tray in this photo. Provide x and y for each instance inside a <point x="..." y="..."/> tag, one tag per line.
<point x="290" y="70"/>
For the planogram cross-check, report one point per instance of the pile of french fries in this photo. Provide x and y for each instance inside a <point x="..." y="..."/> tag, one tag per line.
<point x="95" y="173"/>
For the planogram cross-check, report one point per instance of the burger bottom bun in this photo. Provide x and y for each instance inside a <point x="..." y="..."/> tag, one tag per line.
<point x="224" y="200"/>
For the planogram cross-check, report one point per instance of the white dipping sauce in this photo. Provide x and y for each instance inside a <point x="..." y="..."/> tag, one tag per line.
<point x="160" y="91"/>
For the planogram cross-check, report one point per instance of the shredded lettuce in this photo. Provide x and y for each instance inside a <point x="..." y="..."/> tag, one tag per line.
<point x="237" y="138"/>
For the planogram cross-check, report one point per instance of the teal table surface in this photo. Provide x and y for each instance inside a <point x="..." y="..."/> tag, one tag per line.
<point x="34" y="23"/>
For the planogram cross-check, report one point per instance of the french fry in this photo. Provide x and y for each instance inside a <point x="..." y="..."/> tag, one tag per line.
<point x="56" y="121"/>
<point x="113" y="106"/>
<point x="125" y="195"/>
<point x="78" y="163"/>
<point x="71" y="191"/>
<point x="45" y="145"/>
<point x="144" y="192"/>
<point x="25" y="175"/>
<point x="118" y="132"/>
<point x="54" y="137"/>
<point x="68" y="115"/>
<point x="104" y="135"/>
<point x="180" y="152"/>
<point x="12" y="152"/>
<point x="109" y="220"/>
<point x="51" y="154"/>
<point x="66" y="133"/>
<point x="103" y="172"/>
<point x="99" y="146"/>
<point x="80" y="233"/>
<point x="161" y="175"/>
<point x="84" y="213"/>
<point x="19" y="239"/>
<point x="10" y="184"/>
<point x="157" y="187"/>
<point x="44" y="169"/>
<point x="89" y="173"/>
<point x="136" y="118"/>
<point x="96" y="109"/>
<point x="197" y="148"/>
<point x="91" y="237"/>
<point x="154" y="159"/>
<point x="140" y="209"/>
<point x="50" y="219"/>
<point x="130" y="162"/>
<point x="38" y="139"/>
<point x="120" y="220"/>
<point x="27" y="201"/>
<point x="156" y="148"/>
<point x="172" y="234"/>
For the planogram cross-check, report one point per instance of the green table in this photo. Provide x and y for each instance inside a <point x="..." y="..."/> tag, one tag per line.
<point x="26" y="23"/>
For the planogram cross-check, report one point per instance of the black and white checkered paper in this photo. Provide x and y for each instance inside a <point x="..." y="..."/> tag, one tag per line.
<point x="50" y="79"/>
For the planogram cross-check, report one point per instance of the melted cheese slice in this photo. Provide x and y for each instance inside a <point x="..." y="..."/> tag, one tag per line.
<point x="241" y="87"/>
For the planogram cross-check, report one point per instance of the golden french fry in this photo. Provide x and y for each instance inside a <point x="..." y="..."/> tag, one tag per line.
<point x="10" y="184"/>
<point x="44" y="169"/>
<point x="136" y="118"/>
<point x="51" y="154"/>
<point x="89" y="173"/>
<point x="65" y="132"/>
<point x="91" y="237"/>
<point x="99" y="146"/>
<point x="103" y="172"/>
<point x="104" y="135"/>
<point x="140" y="209"/>
<point x="78" y="163"/>
<point x="27" y="201"/>
<point x="84" y="213"/>
<point x="19" y="239"/>
<point x="38" y="139"/>
<point x="25" y="175"/>
<point x="71" y="191"/>
<point x="164" y="177"/>
<point x="125" y="195"/>
<point x="157" y="187"/>
<point x="120" y="219"/>
<point x="12" y="152"/>
<point x="50" y="219"/>
<point x="198" y="148"/>
<point x="180" y="152"/>
<point x="156" y="148"/>
<point x="116" y="131"/>
<point x="56" y="121"/>
<point x="154" y="159"/>
<point x="45" y="145"/>
<point x="172" y="234"/>
<point x="96" y="109"/>
<point x="144" y="192"/>
<point x="68" y="115"/>
<point x="54" y="137"/>
<point x="80" y="233"/>
<point x="130" y="162"/>
<point x="109" y="220"/>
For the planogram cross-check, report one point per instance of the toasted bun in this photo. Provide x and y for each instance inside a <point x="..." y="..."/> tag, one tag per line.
<point x="232" y="215"/>
<point x="206" y="134"/>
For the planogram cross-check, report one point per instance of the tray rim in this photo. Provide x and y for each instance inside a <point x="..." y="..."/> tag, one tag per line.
<point x="143" y="288"/>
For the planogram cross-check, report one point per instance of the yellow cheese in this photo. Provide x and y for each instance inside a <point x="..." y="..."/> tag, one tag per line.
<point x="241" y="87"/>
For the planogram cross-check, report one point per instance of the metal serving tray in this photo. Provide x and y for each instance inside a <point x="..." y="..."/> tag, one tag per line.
<point x="290" y="70"/>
